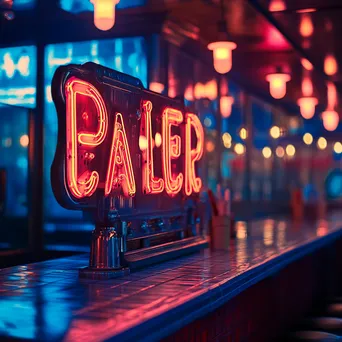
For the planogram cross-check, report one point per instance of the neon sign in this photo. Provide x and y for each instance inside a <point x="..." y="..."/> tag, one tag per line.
<point x="117" y="140"/>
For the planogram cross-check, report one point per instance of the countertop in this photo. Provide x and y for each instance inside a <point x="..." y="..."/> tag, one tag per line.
<point x="48" y="301"/>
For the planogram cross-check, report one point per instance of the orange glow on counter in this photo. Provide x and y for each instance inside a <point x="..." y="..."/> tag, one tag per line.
<point x="193" y="183"/>
<point x="83" y="185"/>
<point x="171" y="147"/>
<point x="104" y="13"/>
<point x="278" y="84"/>
<point x="120" y="170"/>
<point x="151" y="184"/>
<point x="222" y="53"/>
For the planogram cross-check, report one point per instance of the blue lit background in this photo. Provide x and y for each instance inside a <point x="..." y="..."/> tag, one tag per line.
<point x="18" y="76"/>
<point x="126" y="55"/>
<point x="23" y="4"/>
<point x="14" y="158"/>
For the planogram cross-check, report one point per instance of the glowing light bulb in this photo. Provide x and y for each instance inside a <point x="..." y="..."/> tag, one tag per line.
<point x="142" y="143"/>
<point x="277" y="6"/>
<point x="338" y="147"/>
<point x="227" y="140"/>
<point x="275" y="132"/>
<point x="306" y="64"/>
<point x="199" y="90"/>
<point x="104" y="13"/>
<point x="266" y="152"/>
<point x="307" y="106"/>
<point x="24" y="140"/>
<point x="330" y="120"/>
<point x="210" y="146"/>
<point x="243" y="133"/>
<point x="222" y="52"/>
<point x="280" y="152"/>
<point x="290" y="150"/>
<point x="226" y="103"/>
<point x="322" y="143"/>
<point x="239" y="149"/>
<point x="307" y="138"/>
<point x="330" y="65"/>
<point x="306" y="28"/>
<point x="278" y="84"/>
<point x="189" y="93"/>
<point x="210" y="90"/>
<point x="157" y="87"/>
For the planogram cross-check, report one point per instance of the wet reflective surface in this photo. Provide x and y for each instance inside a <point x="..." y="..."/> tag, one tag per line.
<point x="47" y="300"/>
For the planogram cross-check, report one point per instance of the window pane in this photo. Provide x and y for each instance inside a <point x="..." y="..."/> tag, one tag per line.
<point x="14" y="142"/>
<point x="18" y="75"/>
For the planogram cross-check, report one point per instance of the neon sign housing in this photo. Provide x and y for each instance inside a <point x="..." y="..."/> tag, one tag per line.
<point x="127" y="155"/>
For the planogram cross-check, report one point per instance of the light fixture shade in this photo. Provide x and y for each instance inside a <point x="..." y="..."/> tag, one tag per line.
<point x="222" y="53"/>
<point x="330" y="120"/>
<point x="104" y="13"/>
<point x="278" y="84"/>
<point x="307" y="106"/>
<point x="226" y="103"/>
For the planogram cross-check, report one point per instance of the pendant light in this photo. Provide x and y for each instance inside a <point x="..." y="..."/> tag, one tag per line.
<point x="307" y="103"/>
<point x="278" y="82"/>
<point x="330" y="117"/>
<point x="104" y="13"/>
<point x="222" y="48"/>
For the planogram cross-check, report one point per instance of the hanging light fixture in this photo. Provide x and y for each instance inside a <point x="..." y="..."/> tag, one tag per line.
<point x="222" y="48"/>
<point x="104" y="13"/>
<point x="330" y="120"/>
<point x="307" y="103"/>
<point x="330" y="117"/>
<point x="278" y="82"/>
<point x="330" y="65"/>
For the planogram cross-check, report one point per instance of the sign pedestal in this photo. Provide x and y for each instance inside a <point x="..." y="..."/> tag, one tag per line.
<point x="108" y="246"/>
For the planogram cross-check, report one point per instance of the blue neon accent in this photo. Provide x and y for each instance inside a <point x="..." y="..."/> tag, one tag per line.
<point x="18" y="76"/>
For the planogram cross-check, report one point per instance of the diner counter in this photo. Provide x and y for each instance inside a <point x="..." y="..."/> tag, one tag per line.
<point x="48" y="301"/>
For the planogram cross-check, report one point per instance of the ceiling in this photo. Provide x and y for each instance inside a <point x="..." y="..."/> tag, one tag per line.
<point x="268" y="39"/>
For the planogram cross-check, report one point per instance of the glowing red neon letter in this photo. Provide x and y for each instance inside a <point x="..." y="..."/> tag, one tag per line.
<point x="120" y="170"/>
<point x="171" y="147"/>
<point x="193" y="183"/>
<point x="151" y="184"/>
<point x="83" y="185"/>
